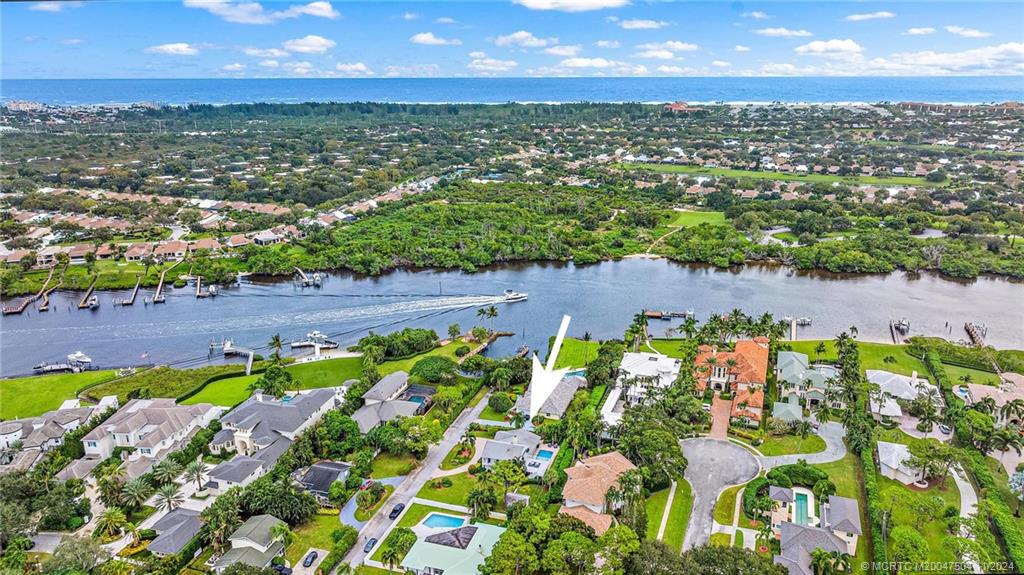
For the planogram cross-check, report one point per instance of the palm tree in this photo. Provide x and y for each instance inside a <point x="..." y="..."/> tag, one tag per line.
<point x="821" y="562"/>
<point x="194" y="472"/>
<point x="803" y="428"/>
<point x="135" y="493"/>
<point x="841" y="561"/>
<point x="166" y="471"/>
<point x="467" y="438"/>
<point x="169" y="497"/>
<point x="966" y="378"/>
<point x="1013" y="409"/>
<point x="985" y="405"/>
<point x="277" y="345"/>
<point x="390" y="556"/>
<point x="853" y="331"/>
<point x="111" y="521"/>
<point x="586" y="348"/>
<point x="819" y="350"/>
<point x="281" y="532"/>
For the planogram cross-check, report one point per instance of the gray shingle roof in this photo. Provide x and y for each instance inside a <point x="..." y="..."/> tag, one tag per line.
<point x="175" y="530"/>
<point x="843" y="514"/>
<point x="387" y="387"/>
<point x="776" y="493"/>
<point x="370" y="416"/>
<point x="235" y="469"/>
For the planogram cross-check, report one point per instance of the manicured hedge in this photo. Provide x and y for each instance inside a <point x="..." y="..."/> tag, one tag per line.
<point x="871" y="495"/>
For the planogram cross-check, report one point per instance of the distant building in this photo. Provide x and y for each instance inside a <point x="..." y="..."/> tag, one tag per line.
<point x="24" y="441"/>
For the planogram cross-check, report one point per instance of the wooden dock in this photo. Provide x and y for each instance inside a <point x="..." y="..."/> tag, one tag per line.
<point x="199" y="286"/>
<point x="135" y="292"/>
<point x="159" y="297"/>
<point x="45" y="304"/>
<point x="20" y="306"/>
<point x="977" y="333"/>
<point x="84" y="302"/>
<point x="483" y="346"/>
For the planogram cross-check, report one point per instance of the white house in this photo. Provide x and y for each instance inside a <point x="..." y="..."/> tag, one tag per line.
<point x="892" y="462"/>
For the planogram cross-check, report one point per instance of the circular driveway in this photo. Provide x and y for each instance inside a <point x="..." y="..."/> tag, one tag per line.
<point x="713" y="465"/>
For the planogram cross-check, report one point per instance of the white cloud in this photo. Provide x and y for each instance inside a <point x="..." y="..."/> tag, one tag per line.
<point x="523" y="39"/>
<point x="721" y="64"/>
<point x="639" y="24"/>
<point x="919" y="31"/>
<point x="410" y="16"/>
<point x="756" y="15"/>
<point x="670" y="45"/>
<point x="1002" y="59"/>
<point x="587" y="63"/>
<point x="478" y="54"/>
<point x="674" y="70"/>
<point x="311" y="44"/>
<point x="882" y="15"/>
<point x="571" y="5"/>
<point x="174" y="49"/>
<point x="491" y="65"/>
<point x="429" y="39"/>
<point x="270" y="63"/>
<point x="607" y="44"/>
<point x="52" y="6"/>
<point x="655" y="54"/>
<point x="783" y="33"/>
<point x="741" y="48"/>
<point x="236" y="67"/>
<point x="354" y="69"/>
<point x="830" y="48"/>
<point x="445" y="20"/>
<point x="71" y="41"/>
<point x="967" y="32"/>
<point x="248" y="12"/>
<point x="414" y="71"/>
<point x="266" y="52"/>
<point x="786" y="70"/>
<point x="564" y="51"/>
<point x="299" y="68"/>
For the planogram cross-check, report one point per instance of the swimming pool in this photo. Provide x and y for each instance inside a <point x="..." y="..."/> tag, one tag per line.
<point x="442" y="520"/>
<point x="577" y="373"/>
<point x="801" y="509"/>
<point x="545" y="454"/>
<point x="417" y="399"/>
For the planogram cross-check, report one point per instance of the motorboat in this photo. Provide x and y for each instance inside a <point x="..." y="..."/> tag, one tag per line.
<point x="803" y="321"/>
<point x="79" y="357"/>
<point x="512" y="296"/>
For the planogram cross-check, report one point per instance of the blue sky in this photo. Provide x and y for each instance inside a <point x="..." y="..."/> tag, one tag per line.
<point x="228" y="38"/>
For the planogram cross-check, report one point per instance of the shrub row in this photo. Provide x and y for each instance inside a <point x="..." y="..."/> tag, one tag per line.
<point x="871" y="495"/>
<point x="344" y="538"/>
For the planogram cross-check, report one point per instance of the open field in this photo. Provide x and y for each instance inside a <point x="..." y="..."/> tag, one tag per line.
<point x="456" y="494"/>
<point x="872" y="355"/>
<point x="406" y="364"/>
<point x="669" y="347"/>
<point x="782" y="176"/>
<point x="576" y="353"/>
<point x="688" y="219"/>
<point x="32" y="396"/>
<point x="386" y="465"/>
<point x="790" y="444"/>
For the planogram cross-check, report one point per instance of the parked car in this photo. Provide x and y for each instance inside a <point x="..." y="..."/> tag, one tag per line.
<point x="366" y="485"/>
<point x="369" y="544"/>
<point x="309" y="559"/>
<point x="396" y="511"/>
<point x="945" y="429"/>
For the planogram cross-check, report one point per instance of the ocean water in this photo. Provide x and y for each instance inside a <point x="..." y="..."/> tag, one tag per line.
<point x="971" y="90"/>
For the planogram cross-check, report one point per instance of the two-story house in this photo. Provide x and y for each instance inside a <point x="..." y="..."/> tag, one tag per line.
<point x="743" y="372"/>
<point x="253" y="544"/>
<point x="587" y="485"/>
<point x="23" y="441"/>
<point x="390" y="398"/>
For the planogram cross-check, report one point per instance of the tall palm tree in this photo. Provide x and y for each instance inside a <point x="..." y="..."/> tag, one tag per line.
<point x="169" y="497"/>
<point x="111" y="521"/>
<point x="195" y="471"/>
<point x="277" y="345"/>
<point x="586" y="348"/>
<point x="390" y="556"/>
<point x="966" y="378"/>
<point x="841" y="561"/>
<point x="1013" y="409"/>
<point x="135" y="493"/>
<point x="166" y="471"/>
<point x="821" y="562"/>
<point x="803" y="428"/>
<point x="819" y="350"/>
<point x="765" y="534"/>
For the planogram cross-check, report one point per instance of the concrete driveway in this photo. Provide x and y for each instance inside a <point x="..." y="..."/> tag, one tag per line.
<point x="835" y="449"/>
<point x="298" y="569"/>
<point x="46" y="541"/>
<point x="714" y="464"/>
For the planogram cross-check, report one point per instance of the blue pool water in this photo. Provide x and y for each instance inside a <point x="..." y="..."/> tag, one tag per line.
<point x="545" y="454"/>
<point x="577" y="373"/>
<point x="441" y="520"/>
<point x="417" y="399"/>
<point x="801" y="509"/>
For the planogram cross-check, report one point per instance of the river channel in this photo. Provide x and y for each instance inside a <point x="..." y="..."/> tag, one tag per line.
<point x="601" y="299"/>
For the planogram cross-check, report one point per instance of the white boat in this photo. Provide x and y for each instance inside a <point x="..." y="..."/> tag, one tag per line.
<point x="93" y="303"/>
<point x="314" y="339"/>
<point x="511" y="296"/>
<point x="79" y="357"/>
<point x="803" y="321"/>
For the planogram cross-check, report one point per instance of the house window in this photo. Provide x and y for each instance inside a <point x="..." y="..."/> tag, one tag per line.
<point x="90" y="444"/>
<point x="146" y="451"/>
<point x="720" y="372"/>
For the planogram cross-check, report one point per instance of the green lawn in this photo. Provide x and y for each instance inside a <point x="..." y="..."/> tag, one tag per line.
<point x="872" y="355"/>
<point x="406" y="364"/>
<point x="789" y="444"/>
<point x="315" y="533"/>
<point x="491" y="415"/>
<point x="782" y="176"/>
<point x="679" y="515"/>
<point x="456" y="494"/>
<point x="688" y="219"/>
<point x="576" y="353"/>
<point x="1003" y="486"/>
<point x="387" y="465"/>
<point x="310" y="375"/>
<point x="32" y="396"/>
<point x="933" y="530"/>
<point x="725" y="508"/>
<point x="955" y="372"/>
<point x="655" y="509"/>
<point x="669" y="346"/>
<point x="455" y="457"/>
<point x="368" y="570"/>
<point x="720" y="540"/>
<point x="845" y="473"/>
<point x="366" y="514"/>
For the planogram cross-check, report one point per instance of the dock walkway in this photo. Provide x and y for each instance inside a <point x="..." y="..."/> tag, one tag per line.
<point x="20" y="307"/>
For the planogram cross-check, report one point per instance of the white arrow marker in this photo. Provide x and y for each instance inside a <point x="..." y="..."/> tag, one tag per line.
<point x="545" y="379"/>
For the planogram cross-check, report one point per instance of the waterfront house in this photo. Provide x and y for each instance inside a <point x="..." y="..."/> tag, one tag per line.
<point x="78" y="254"/>
<point x="174" y="531"/>
<point x="798" y="378"/>
<point x="148" y="429"/>
<point x="138" y="252"/>
<point x="518" y="444"/>
<point x="47" y="256"/>
<point x="587" y="485"/>
<point x="252" y="544"/>
<point x="266" y="238"/>
<point x="556" y="404"/>
<point x="459" y="551"/>
<point x="172" y="250"/>
<point x="641" y="372"/>
<point x="742" y="372"/>
<point x="897" y="391"/>
<point x="260" y="430"/>
<point x="892" y="462"/>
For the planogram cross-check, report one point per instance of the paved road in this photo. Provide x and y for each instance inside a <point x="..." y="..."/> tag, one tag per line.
<point x="415" y="481"/>
<point x="714" y="464"/>
<point x="968" y="506"/>
<point x="298" y="569"/>
<point x="347" y="515"/>
<point x="835" y="449"/>
<point x="46" y="541"/>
